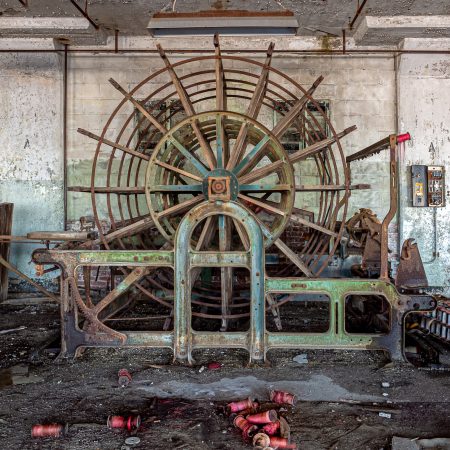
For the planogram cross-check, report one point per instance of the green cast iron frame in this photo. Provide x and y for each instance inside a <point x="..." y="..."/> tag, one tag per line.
<point x="183" y="340"/>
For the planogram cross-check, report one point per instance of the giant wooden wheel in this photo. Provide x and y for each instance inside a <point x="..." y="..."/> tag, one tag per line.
<point x="185" y="136"/>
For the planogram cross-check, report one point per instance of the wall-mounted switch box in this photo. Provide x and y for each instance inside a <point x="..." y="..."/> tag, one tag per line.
<point x="436" y="186"/>
<point x="427" y="186"/>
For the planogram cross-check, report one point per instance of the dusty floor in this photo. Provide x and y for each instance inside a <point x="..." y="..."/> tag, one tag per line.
<point x="340" y="394"/>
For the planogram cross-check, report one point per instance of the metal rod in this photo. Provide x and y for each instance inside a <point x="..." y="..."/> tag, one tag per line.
<point x="116" y="41"/>
<point x="343" y="42"/>
<point x="85" y="14"/>
<point x="321" y="52"/>
<point x="358" y="13"/>
<point x="65" y="133"/>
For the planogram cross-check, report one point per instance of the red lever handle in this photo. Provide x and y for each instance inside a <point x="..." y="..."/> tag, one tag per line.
<point x="403" y="137"/>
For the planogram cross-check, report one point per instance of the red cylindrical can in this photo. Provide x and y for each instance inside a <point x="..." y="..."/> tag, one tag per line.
<point x="281" y="397"/>
<point x="116" y="422"/>
<point x="130" y="423"/>
<point x="124" y="377"/>
<point x="278" y="442"/>
<point x="271" y="428"/>
<point x="133" y="423"/>
<point x="264" y="417"/>
<point x="241" y="405"/>
<point x="50" y="430"/>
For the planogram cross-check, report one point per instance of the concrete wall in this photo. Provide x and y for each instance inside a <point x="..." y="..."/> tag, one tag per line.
<point x="423" y="109"/>
<point x="31" y="155"/>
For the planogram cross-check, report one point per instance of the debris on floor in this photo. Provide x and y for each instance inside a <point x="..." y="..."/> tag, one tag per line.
<point x="124" y="377"/>
<point x="264" y="424"/>
<point x="401" y="443"/>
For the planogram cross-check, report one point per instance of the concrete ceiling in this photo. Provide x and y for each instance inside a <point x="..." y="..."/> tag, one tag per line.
<point x="315" y="17"/>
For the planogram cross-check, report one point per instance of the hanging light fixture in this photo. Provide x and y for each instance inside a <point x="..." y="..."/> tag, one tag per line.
<point x="229" y="22"/>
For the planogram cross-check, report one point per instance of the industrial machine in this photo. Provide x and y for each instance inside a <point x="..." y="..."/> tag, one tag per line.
<point x="225" y="191"/>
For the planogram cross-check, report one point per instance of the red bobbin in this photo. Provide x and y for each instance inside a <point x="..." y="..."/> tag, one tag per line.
<point x="271" y="428"/>
<point x="49" y="430"/>
<point x="130" y="423"/>
<point x="240" y="406"/>
<point x="279" y="442"/>
<point x="282" y="398"/>
<point x="263" y="417"/>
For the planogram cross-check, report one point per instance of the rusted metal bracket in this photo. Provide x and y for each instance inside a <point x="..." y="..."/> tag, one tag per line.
<point x="84" y="13"/>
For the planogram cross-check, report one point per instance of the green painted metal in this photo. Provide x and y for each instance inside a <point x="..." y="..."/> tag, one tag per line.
<point x="182" y="318"/>
<point x="175" y="188"/>
<point x="252" y="153"/>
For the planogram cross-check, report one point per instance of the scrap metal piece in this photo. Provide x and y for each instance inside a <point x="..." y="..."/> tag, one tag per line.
<point x="410" y="271"/>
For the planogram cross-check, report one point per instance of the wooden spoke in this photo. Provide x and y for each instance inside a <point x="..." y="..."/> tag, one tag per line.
<point x="129" y="230"/>
<point x="221" y="105"/>
<point x="280" y="128"/>
<point x="329" y="187"/>
<point x="180" y="207"/>
<point x="177" y="170"/>
<point x="242" y="234"/>
<point x="307" y="223"/>
<point x="139" y="106"/>
<point x="125" y="149"/>
<point x="135" y="275"/>
<point x="252" y="110"/>
<point x="261" y="204"/>
<point x="189" y="108"/>
<point x="295" y="157"/>
<point x="226" y="273"/>
<point x="176" y="188"/>
<point x="219" y="142"/>
<point x="189" y="156"/>
<point x="293" y="257"/>
<point x="318" y="146"/>
<point x="254" y="152"/>
<point x="207" y="233"/>
<point x="264" y="187"/>
<point x="221" y="97"/>
<point x="261" y="172"/>
<point x="125" y="190"/>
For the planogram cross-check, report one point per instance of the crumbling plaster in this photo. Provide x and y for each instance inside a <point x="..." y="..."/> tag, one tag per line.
<point x="31" y="156"/>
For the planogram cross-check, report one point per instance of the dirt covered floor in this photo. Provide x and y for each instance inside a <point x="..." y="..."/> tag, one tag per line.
<point x="340" y="394"/>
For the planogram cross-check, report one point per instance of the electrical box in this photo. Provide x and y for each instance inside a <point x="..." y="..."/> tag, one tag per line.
<point x="428" y="186"/>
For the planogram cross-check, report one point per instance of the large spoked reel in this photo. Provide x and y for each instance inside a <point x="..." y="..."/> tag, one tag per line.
<point x="186" y="135"/>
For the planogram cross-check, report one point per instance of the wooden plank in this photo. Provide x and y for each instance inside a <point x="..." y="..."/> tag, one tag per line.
<point x="6" y="215"/>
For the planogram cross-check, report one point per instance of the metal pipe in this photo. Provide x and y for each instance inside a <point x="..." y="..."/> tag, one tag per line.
<point x="343" y="42"/>
<point x="84" y="13"/>
<point x="358" y="12"/>
<point x="65" y="133"/>
<point x="435" y="252"/>
<point x="321" y="52"/>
